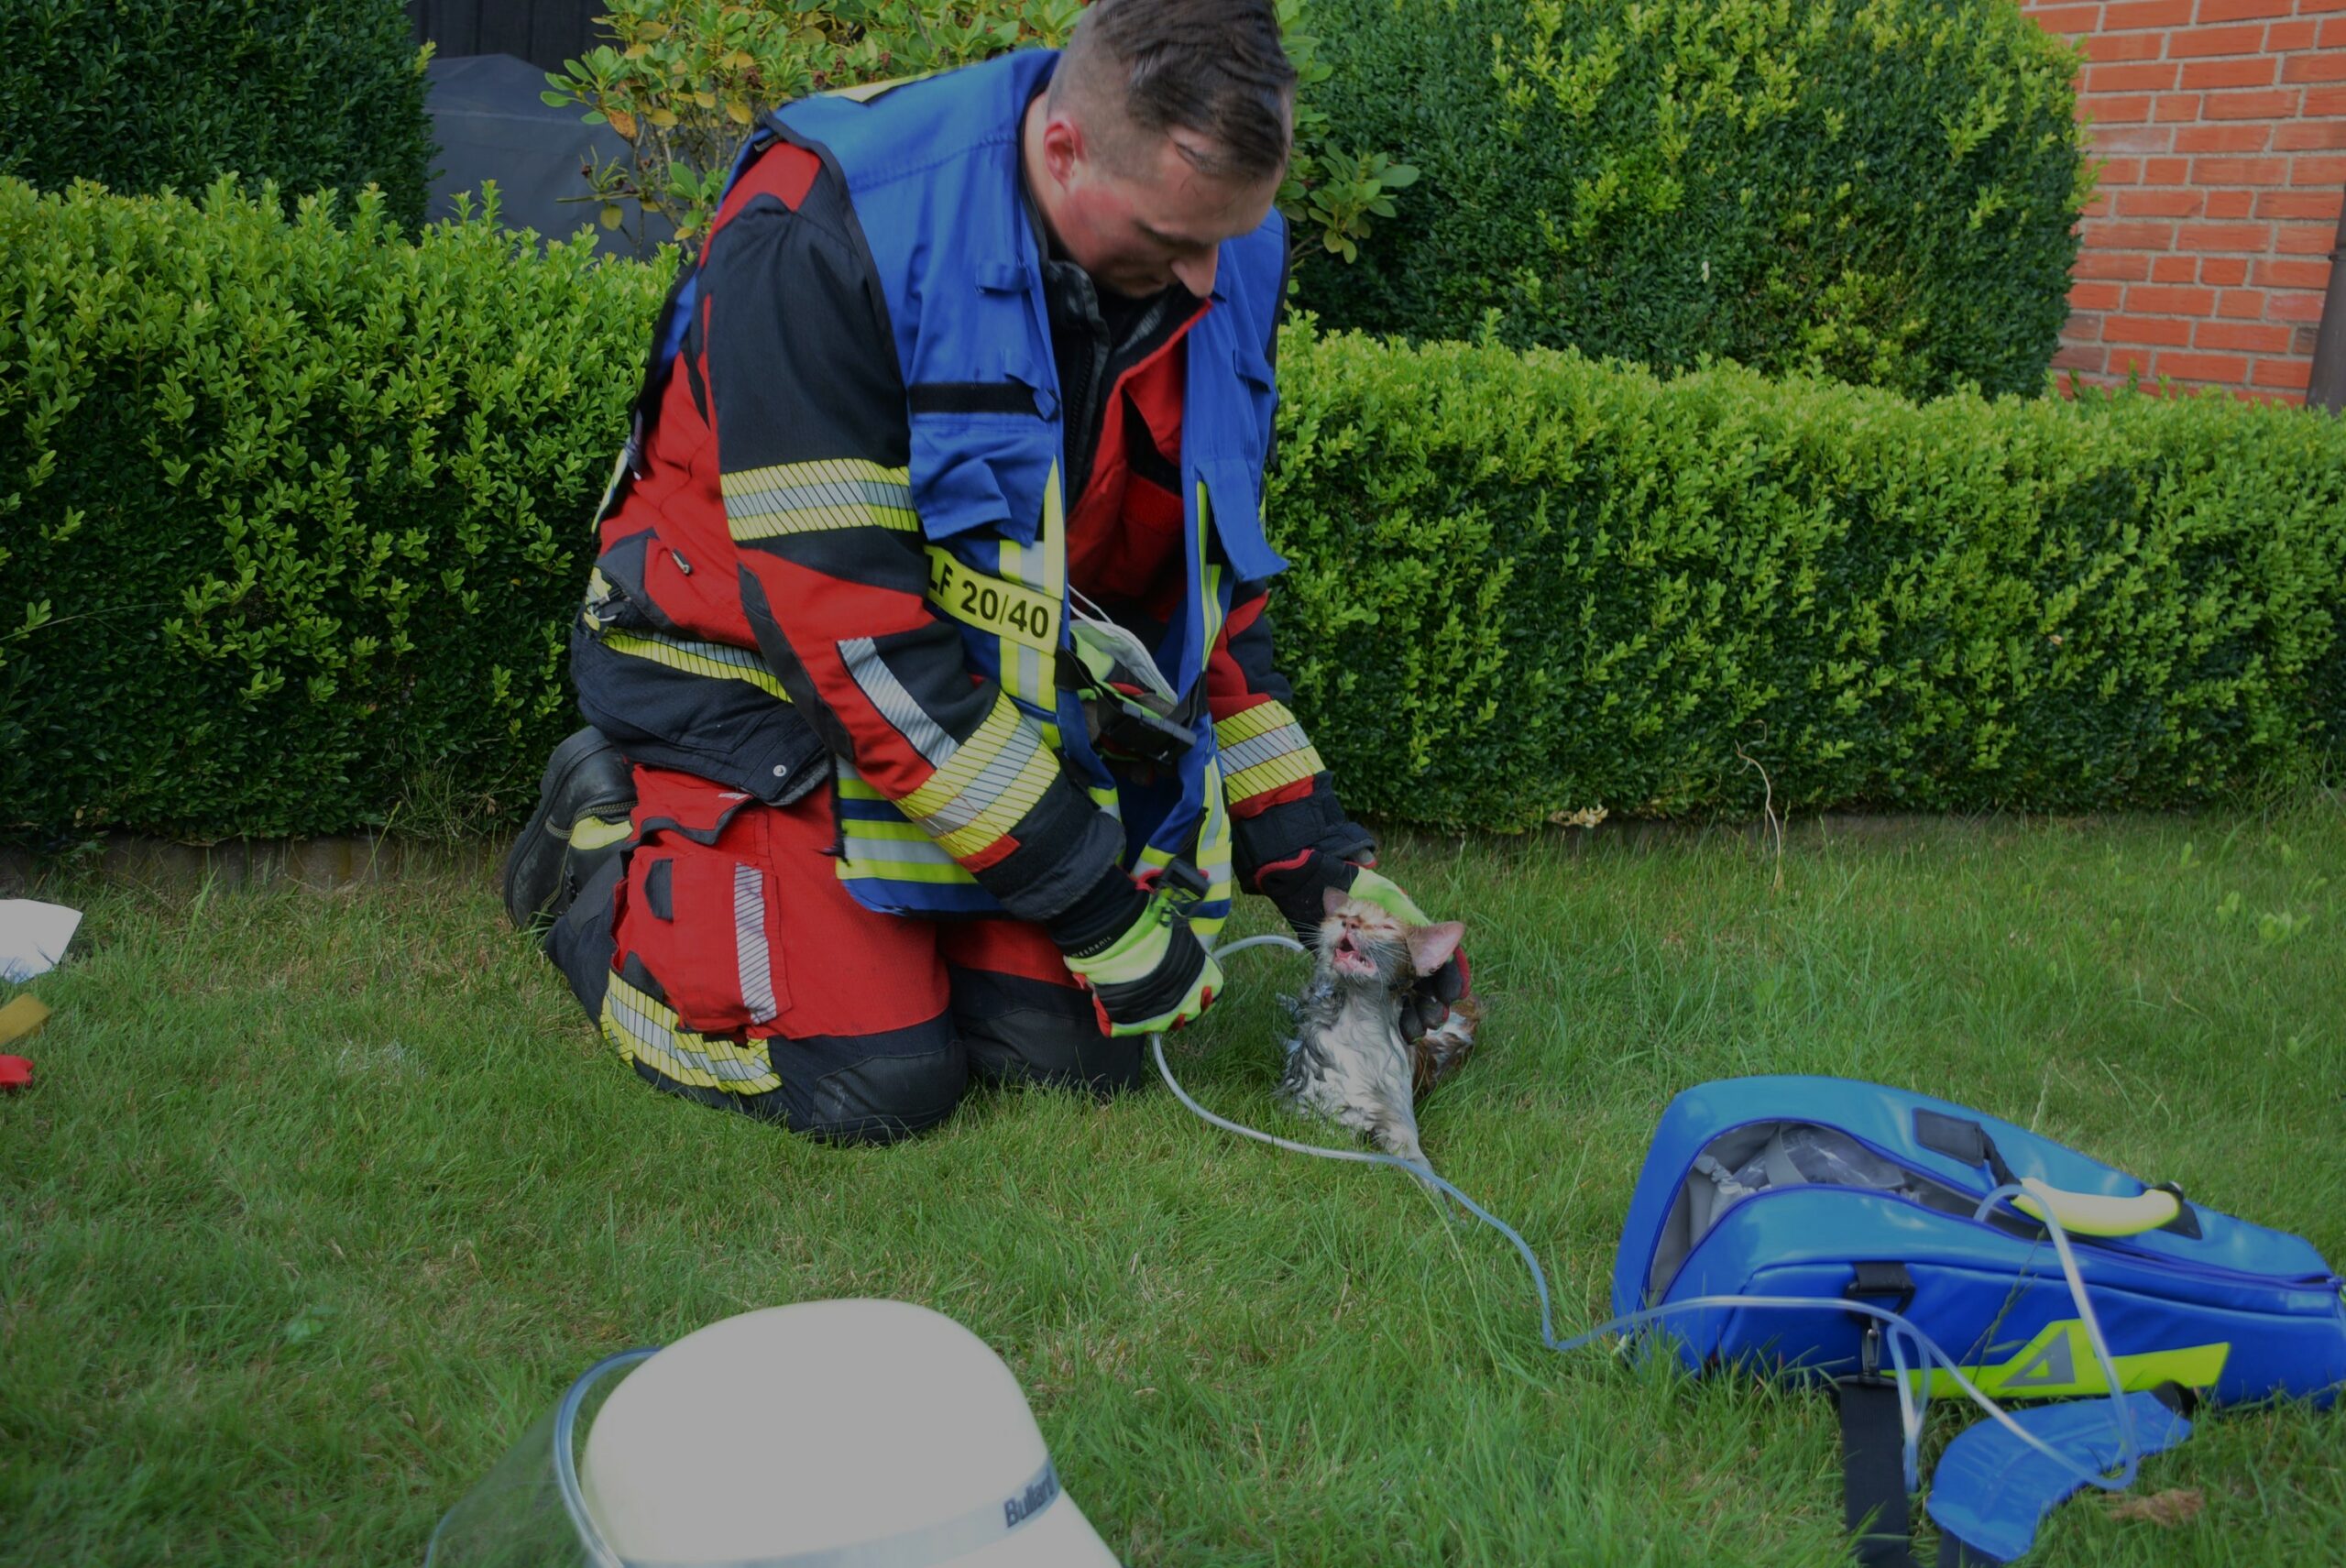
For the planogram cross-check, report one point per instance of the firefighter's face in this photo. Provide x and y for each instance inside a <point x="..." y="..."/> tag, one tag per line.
<point x="1151" y="218"/>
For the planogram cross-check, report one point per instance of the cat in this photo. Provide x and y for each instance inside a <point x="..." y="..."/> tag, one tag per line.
<point x="1348" y="1060"/>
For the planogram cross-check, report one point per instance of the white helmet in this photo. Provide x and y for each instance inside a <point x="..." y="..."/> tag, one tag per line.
<point x="830" y="1434"/>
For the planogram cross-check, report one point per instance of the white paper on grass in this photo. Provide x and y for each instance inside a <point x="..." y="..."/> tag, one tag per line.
<point x="33" y="937"/>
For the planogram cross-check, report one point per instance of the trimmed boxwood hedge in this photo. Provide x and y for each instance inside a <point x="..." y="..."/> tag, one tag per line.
<point x="290" y="511"/>
<point x="1881" y="189"/>
<point x="1528" y="583"/>
<point x="141" y="94"/>
<point x="293" y="518"/>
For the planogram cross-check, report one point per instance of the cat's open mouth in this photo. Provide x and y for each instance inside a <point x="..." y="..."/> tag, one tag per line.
<point x="1348" y="957"/>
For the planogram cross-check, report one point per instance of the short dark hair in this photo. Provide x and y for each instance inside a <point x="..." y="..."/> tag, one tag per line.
<point x="1212" y="67"/>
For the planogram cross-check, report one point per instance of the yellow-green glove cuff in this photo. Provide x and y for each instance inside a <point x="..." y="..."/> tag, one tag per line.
<point x="1371" y="887"/>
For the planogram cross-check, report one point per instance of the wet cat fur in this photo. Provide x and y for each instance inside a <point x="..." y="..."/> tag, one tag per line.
<point x="1347" y="1060"/>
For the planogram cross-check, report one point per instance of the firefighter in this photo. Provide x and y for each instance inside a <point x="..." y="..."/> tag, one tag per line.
<point x="933" y="714"/>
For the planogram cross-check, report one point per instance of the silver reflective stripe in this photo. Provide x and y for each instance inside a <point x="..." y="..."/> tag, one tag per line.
<point x="895" y="703"/>
<point x="921" y="1547"/>
<point x="664" y="1038"/>
<point x="990" y="782"/>
<point x="899" y="851"/>
<point x="842" y="494"/>
<point x="1031" y="684"/>
<point x="1263" y="748"/>
<point x="750" y="942"/>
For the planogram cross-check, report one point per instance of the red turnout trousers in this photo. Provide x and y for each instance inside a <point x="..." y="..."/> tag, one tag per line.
<point x="738" y="972"/>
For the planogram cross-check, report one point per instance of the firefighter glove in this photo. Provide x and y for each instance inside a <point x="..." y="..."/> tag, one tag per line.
<point x="1151" y="975"/>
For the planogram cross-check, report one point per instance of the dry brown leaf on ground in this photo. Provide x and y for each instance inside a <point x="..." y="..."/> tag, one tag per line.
<point x="2167" y="1509"/>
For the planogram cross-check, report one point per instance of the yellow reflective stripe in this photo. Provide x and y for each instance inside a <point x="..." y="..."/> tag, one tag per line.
<point x="1276" y="774"/>
<point x="895" y="852"/>
<point x="1012" y="611"/>
<point x="888" y="851"/>
<point x="1214" y="838"/>
<point x="599" y="833"/>
<point x="1021" y="655"/>
<point x="1278" y="746"/>
<point x="810" y="498"/>
<point x="946" y="873"/>
<point x="649" y="1031"/>
<point x="894" y="832"/>
<point x="1265" y="749"/>
<point x="1001" y="817"/>
<point x="1210" y="605"/>
<point x="1260" y="719"/>
<point x="991" y="780"/>
<point x="992" y="739"/>
<point x="942" y="873"/>
<point x="1054" y="538"/>
<point x="713" y="660"/>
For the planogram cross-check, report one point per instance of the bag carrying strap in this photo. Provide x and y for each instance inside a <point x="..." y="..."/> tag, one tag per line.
<point x="1873" y="1437"/>
<point x="1873" y="1472"/>
<point x="1991" y="1496"/>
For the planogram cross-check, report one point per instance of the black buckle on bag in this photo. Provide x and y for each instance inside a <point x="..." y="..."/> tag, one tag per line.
<point x="2186" y="1222"/>
<point x="1872" y="1283"/>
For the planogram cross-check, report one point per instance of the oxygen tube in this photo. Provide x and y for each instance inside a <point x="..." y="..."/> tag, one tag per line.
<point x="1901" y="1336"/>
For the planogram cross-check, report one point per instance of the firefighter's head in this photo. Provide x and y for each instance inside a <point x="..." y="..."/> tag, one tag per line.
<point x="1164" y="132"/>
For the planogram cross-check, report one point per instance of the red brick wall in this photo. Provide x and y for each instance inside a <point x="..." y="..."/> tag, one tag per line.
<point x="2222" y="129"/>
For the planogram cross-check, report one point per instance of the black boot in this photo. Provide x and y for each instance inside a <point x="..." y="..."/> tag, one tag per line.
<point x="583" y="805"/>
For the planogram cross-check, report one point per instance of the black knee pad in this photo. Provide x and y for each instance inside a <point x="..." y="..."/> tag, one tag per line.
<point x="580" y="943"/>
<point x="872" y="1089"/>
<point x="1025" y="1031"/>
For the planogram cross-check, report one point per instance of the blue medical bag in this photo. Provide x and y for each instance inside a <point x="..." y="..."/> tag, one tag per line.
<point x="1846" y="1192"/>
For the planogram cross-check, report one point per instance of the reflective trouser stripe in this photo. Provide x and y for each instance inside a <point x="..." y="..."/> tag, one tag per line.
<point x="752" y="959"/>
<point x="648" y="1031"/>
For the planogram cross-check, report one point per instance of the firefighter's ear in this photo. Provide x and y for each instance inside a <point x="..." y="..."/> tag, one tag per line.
<point x="1063" y="145"/>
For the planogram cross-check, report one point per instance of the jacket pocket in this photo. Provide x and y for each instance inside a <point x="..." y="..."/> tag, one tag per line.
<point x="700" y="906"/>
<point x="982" y="454"/>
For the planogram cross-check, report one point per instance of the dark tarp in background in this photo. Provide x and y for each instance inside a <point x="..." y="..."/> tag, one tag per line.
<point x="491" y="125"/>
<point x="543" y="32"/>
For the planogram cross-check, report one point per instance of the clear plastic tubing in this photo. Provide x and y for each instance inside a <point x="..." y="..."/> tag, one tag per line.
<point x="1898" y="1333"/>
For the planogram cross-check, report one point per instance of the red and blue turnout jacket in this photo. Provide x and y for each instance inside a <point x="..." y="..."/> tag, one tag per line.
<point x="898" y="473"/>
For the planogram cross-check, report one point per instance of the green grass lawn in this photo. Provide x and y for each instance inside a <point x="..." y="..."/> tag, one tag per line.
<point x="321" y="1198"/>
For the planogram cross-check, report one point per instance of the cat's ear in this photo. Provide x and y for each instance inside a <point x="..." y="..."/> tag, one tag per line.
<point x="1431" y="945"/>
<point x="1332" y="899"/>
